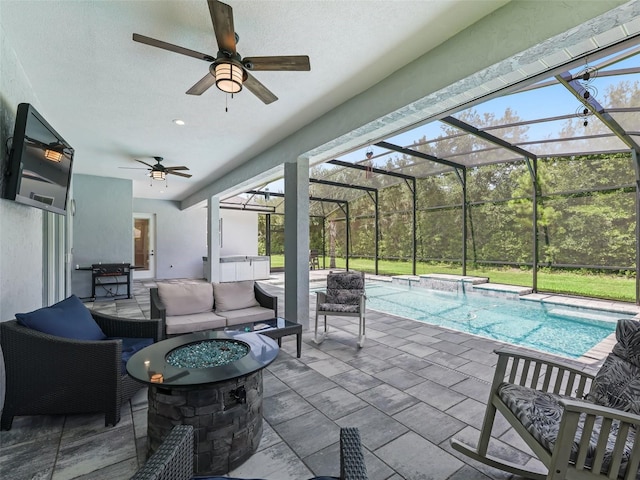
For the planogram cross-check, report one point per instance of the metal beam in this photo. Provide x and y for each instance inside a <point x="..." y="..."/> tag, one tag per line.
<point x="486" y="136"/>
<point x="533" y="171"/>
<point x="241" y="207"/>
<point x="465" y="206"/>
<point x="357" y="166"/>
<point x="376" y="217"/>
<point x="342" y="185"/>
<point x="598" y="110"/>
<point x="282" y="195"/>
<point x="415" y="153"/>
<point x="636" y="165"/>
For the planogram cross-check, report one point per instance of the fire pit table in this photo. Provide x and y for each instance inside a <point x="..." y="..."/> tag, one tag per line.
<point x="211" y="380"/>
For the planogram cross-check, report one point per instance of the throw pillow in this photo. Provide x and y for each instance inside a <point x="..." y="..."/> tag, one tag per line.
<point x="616" y="385"/>
<point x="68" y="318"/>
<point x="234" y="295"/>
<point x="186" y="298"/>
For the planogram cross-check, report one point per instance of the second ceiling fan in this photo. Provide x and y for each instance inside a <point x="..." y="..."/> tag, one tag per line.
<point x="228" y="70"/>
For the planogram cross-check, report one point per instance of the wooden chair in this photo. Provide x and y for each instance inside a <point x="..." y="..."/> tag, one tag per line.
<point x="345" y="296"/>
<point x="580" y="426"/>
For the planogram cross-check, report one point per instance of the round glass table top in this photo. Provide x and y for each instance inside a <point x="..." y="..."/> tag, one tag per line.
<point x="154" y="365"/>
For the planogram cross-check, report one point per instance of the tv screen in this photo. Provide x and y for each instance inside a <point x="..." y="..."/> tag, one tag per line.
<point x="39" y="165"/>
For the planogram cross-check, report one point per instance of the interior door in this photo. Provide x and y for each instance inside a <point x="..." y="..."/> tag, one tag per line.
<point x="144" y="245"/>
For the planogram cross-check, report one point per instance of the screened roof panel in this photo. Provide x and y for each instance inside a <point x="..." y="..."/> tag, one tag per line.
<point x="544" y="119"/>
<point x="618" y="91"/>
<point x="578" y="146"/>
<point x="521" y="107"/>
<point x="630" y="120"/>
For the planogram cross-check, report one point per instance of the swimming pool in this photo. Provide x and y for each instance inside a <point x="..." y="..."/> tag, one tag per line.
<point x="558" y="329"/>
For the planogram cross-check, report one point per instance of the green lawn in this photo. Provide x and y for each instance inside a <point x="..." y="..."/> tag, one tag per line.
<point x="612" y="287"/>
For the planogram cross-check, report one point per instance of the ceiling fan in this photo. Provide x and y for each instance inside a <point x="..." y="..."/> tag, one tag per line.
<point x="159" y="171"/>
<point x="228" y="70"/>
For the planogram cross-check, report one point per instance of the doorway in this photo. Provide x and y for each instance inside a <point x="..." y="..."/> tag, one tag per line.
<point x="144" y="245"/>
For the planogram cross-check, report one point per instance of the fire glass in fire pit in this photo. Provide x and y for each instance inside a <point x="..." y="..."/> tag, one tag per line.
<point x="210" y="353"/>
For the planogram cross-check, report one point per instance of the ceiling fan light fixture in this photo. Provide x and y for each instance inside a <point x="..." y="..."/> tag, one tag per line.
<point x="53" y="155"/>
<point x="158" y="175"/>
<point x="229" y="77"/>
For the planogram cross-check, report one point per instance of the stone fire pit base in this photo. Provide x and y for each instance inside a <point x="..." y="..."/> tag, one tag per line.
<point x="226" y="430"/>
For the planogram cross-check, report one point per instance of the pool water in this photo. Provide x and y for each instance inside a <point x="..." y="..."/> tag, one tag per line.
<point x="558" y="329"/>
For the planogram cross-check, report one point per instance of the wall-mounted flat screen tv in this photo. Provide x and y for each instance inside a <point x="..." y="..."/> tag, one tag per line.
<point x="38" y="170"/>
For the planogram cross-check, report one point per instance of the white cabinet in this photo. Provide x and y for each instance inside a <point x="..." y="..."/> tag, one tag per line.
<point x="261" y="269"/>
<point x="228" y="272"/>
<point x="244" y="271"/>
<point x="238" y="268"/>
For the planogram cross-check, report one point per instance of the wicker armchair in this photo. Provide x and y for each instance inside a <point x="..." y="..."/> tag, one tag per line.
<point x="174" y="459"/>
<point x="49" y="375"/>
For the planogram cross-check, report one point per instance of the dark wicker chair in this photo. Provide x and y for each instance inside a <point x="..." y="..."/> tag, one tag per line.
<point x="174" y="458"/>
<point x="50" y="375"/>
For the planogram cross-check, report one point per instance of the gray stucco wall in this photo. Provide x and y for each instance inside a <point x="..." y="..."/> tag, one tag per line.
<point x="20" y="225"/>
<point x="181" y="237"/>
<point x="102" y="226"/>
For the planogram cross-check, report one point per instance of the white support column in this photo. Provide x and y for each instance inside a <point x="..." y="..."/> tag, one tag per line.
<point x="296" y="241"/>
<point x="212" y="270"/>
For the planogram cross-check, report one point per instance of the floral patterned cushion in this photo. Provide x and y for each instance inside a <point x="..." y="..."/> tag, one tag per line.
<point x="344" y="290"/>
<point x="628" y="337"/>
<point x="617" y="383"/>
<point x="540" y="414"/>
<point x="338" y="308"/>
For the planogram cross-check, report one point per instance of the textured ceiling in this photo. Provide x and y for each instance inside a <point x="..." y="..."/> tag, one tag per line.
<point x="114" y="100"/>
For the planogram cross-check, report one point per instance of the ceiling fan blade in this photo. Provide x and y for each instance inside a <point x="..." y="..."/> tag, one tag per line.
<point x="172" y="48"/>
<point x="202" y="85"/>
<point x="134" y="168"/>
<point x="222" y="18"/>
<point x="284" y="62"/>
<point x="185" y="175"/>
<point x="144" y="163"/>
<point x="259" y="90"/>
<point x="180" y="167"/>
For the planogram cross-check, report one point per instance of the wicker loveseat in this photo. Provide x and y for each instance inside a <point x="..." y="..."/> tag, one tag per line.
<point x="174" y="458"/>
<point x="49" y="375"/>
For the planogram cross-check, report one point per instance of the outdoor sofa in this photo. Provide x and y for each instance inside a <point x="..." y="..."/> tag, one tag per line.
<point x="192" y="307"/>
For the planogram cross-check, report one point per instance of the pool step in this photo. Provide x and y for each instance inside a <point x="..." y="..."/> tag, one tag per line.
<point x="499" y="289"/>
<point x="462" y="284"/>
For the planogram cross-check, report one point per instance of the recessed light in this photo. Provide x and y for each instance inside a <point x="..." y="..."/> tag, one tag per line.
<point x="177" y="121"/>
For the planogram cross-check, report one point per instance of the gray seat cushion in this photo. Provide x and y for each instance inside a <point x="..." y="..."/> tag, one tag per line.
<point x="247" y="315"/>
<point x="195" y="322"/>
